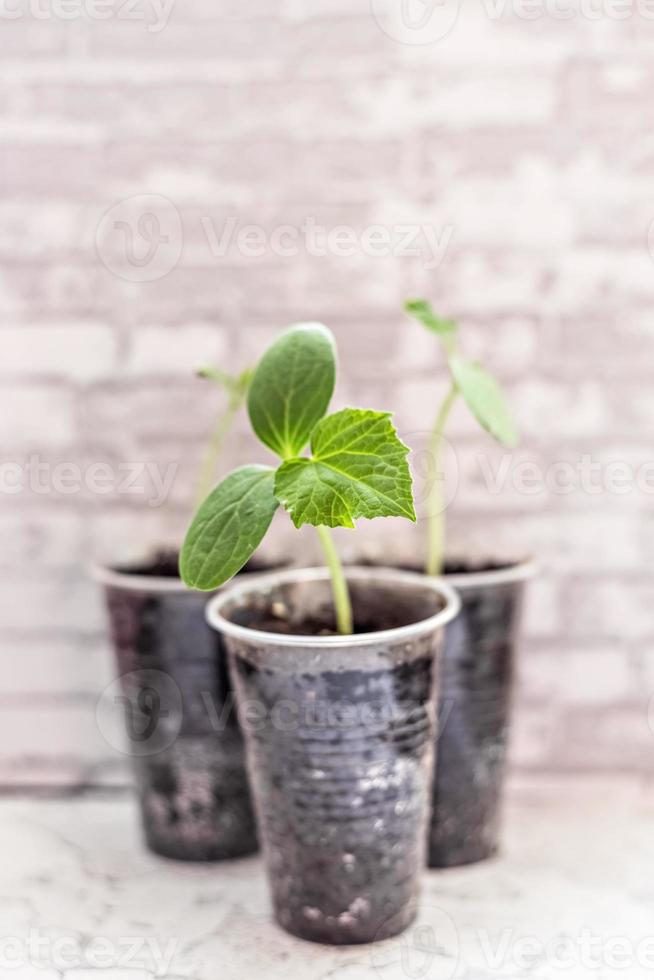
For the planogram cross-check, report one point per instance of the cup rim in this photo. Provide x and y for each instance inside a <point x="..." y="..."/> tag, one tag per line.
<point x="382" y="575"/>
<point x="113" y="577"/>
<point x="517" y="571"/>
<point x="133" y="582"/>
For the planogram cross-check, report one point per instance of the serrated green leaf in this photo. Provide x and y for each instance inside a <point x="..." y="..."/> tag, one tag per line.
<point x="485" y="399"/>
<point x="292" y="387"/>
<point x="358" y="469"/>
<point x="228" y="527"/>
<point x="422" y="311"/>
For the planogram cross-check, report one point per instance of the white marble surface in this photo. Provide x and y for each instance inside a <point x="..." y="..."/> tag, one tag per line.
<point x="571" y="896"/>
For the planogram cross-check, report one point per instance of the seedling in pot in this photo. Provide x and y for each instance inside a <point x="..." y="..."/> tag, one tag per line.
<point x="483" y="396"/>
<point x="357" y="468"/>
<point x="169" y="659"/>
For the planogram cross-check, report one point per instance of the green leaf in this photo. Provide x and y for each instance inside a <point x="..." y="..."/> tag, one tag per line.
<point x="485" y="399"/>
<point x="422" y="311"/>
<point x="358" y="469"/>
<point x="228" y="527"/>
<point x="292" y="387"/>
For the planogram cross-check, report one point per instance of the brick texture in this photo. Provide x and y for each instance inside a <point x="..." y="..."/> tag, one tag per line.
<point x="179" y="183"/>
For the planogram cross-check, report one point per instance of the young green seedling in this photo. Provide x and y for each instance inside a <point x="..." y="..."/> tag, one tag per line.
<point x="483" y="396"/>
<point x="357" y="468"/>
<point x="236" y="388"/>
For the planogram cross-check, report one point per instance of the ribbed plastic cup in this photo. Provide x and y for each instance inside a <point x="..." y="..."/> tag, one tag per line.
<point x="476" y="682"/>
<point x="183" y="733"/>
<point x="340" y="736"/>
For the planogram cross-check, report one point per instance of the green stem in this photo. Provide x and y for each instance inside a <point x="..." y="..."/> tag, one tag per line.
<point x="436" y="516"/>
<point x="216" y="444"/>
<point x="340" y="591"/>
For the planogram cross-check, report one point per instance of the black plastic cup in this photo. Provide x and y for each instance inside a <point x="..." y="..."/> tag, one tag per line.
<point x="183" y="733"/>
<point x="476" y="681"/>
<point x="340" y="736"/>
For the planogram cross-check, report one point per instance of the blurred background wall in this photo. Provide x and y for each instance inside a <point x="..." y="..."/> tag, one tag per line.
<point x="498" y="162"/>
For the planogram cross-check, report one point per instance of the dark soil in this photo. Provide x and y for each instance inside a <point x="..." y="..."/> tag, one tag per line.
<point x="311" y="626"/>
<point x="385" y="608"/>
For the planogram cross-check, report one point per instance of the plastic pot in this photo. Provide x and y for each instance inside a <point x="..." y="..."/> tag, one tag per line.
<point x="183" y="732"/>
<point x="476" y="680"/>
<point x="340" y="735"/>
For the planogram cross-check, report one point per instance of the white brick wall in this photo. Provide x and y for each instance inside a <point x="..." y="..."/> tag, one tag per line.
<point x="522" y="144"/>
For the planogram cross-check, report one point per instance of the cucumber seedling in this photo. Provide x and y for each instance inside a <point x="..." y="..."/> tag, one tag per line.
<point x="357" y="467"/>
<point x="483" y="396"/>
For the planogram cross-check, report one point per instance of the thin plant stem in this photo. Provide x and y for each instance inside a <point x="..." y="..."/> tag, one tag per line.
<point x="340" y="591"/>
<point x="215" y="445"/>
<point x="435" y="510"/>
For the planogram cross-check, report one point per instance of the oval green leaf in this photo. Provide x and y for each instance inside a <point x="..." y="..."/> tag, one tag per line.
<point x="422" y="311"/>
<point x="359" y="469"/>
<point x="485" y="399"/>
<point x="228" y="527"/>
<point x="292" y="387"/>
